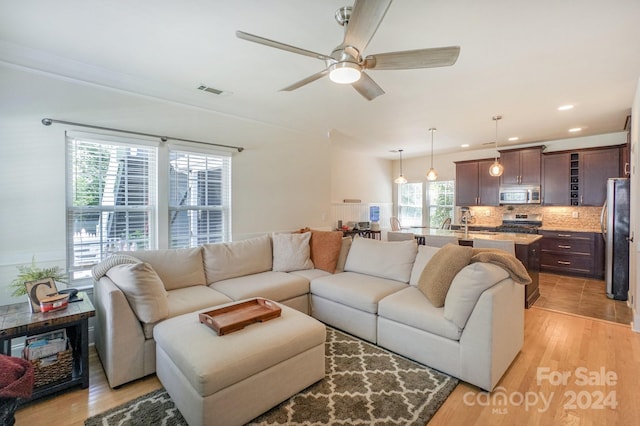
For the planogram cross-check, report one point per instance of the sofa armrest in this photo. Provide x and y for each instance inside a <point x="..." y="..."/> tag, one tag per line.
<point x="494" y="334"/>
<point x="119" y="334"/>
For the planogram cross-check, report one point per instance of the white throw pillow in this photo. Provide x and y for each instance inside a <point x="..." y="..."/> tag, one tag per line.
<point x="422" y="258"/>
<point x="384" y="259"/>
<point x="143" y="289"/>
<point x="291" y="252"/>
<point x="466" y="288"/>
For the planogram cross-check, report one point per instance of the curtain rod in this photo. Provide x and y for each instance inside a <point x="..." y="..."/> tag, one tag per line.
<point x="50" y="121"/>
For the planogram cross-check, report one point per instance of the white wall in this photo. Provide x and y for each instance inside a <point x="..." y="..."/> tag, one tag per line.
<point x="281" y="181"/>
<point x="634" y="225"/>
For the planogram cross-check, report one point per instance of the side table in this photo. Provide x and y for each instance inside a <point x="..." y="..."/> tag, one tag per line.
<point x="17" y="320"/>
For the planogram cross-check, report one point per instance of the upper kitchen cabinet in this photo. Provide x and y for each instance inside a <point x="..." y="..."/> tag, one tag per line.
<point x="579" y="178"/>
<point x="521" y="166"/>
<point x="556" y="179"/>
<point x="595" y="167"/>
<point x="474" y="185"/>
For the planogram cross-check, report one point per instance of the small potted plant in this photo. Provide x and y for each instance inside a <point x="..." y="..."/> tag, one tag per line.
<point x="34" y="273"/>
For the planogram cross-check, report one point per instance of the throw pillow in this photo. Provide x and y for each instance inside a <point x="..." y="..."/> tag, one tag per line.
<point x="344" y="252"/>
<point x="143" y="289"/>
<point x="439" y="272"/>
<point x="325" y="249"/>
<point x="291" y="252"/>
<point x="425" y="253"/>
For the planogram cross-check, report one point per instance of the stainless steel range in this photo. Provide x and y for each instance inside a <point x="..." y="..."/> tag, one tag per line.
<point x="520" y="223"/>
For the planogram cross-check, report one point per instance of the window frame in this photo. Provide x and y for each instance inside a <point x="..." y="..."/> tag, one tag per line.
<point x="159" y="193"/>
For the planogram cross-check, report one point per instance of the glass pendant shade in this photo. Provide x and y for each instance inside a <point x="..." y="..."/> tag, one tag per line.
<point x="432" y="174"/>
<point x="496" y="169"/>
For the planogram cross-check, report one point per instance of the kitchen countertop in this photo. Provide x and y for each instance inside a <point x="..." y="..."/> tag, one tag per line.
<point x="570" y="229"/>
<point x="523" y="239"/>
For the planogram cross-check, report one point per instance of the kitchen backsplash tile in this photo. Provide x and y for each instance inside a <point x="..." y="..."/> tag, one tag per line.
<point x="552" y="217"/>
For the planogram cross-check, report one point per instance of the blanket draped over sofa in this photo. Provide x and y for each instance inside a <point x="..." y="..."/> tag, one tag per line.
<point x="372" y="293"/>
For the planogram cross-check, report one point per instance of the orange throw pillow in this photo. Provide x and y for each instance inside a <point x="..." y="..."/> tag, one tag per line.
<point x="325" y="249"/>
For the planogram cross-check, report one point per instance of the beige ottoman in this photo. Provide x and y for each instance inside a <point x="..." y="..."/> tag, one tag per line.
<point x="231" y="379"/>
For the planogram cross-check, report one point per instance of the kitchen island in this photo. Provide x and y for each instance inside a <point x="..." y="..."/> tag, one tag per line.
<point x="527" y="248"/>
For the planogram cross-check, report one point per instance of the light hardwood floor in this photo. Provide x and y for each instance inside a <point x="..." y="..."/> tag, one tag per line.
<point x="559" y="342"/>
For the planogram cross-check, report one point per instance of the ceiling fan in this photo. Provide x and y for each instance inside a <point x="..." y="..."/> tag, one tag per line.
<point x="346" y="65"/>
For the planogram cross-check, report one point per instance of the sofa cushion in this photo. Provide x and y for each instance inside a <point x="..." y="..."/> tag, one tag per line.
<point x="176" y="268"/>
<point x="190" y="299"/>
<point x="358" y="291"/>
<point x="425" y="253"/>
<point x="143" y="289"/>
<point x="291" y="252"/>
<point x="278" y="286"/>
<point x="439" y="272"/>
<point x="384" y="259"/>
<point x="344" y="251"/>
<point x="325" y="249"/>
<point x="310" y="274"/>
<point x="466" y="288"/>
<point x="411" y="308"/>
<point x="238" y="258"/>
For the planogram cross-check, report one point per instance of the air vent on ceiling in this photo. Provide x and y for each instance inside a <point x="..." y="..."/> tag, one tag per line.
<point x="210" y="90"/>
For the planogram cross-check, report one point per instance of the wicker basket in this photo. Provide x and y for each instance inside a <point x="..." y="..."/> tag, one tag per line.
<point x="56" y="371"/>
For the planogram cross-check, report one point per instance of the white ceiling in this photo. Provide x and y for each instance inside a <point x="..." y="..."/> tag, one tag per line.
<point x="519" y="59"/>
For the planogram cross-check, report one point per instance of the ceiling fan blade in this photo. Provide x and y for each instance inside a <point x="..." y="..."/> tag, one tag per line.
<point x="367" y="87"/>
<point x="364" y="21"/>
<point x="410" y="59"/>
<point x="307" y="80"/>
<point x="278" y="45"/>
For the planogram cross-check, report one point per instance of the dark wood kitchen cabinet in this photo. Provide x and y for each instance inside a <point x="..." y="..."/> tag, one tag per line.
<point x="572" y="253"/>
<point x="521" y="166"/>
<point x="529" y="255"/>
<point x="474" y="185"/>
<point x="596" y="166"/>
<point x="556" y="179"/>
<point x="579" y="178"/>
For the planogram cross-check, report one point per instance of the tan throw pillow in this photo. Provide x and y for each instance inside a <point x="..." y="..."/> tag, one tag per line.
<point x="325" y="249"/>
<point x="439" y="272"/>
<point x="143" y="289"/>
<point x="291" y="252"/>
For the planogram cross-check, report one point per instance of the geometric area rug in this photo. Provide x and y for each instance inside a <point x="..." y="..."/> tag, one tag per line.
<point x="363" y="384"/>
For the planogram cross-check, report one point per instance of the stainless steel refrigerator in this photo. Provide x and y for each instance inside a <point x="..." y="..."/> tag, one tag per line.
<point x="615" y="231"/>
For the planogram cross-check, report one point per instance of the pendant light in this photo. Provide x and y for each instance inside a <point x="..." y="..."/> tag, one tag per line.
<point x="432" y="174"/>
<point x="401" y="178"/>
<point x="496" y="168"/>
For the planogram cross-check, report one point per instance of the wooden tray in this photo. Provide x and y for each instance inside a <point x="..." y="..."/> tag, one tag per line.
<point x="235" y="317"/>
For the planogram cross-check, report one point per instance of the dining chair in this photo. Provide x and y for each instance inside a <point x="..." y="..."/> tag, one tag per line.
<point x="395" y="223"/>
<point x="508" y="246"/>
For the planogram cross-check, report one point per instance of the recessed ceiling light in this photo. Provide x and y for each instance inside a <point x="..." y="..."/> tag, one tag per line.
<point x="565" y="107"/>
<point x="575" y="129"/>
<point x="514" y="138"/>
<point x="464" y="145"/>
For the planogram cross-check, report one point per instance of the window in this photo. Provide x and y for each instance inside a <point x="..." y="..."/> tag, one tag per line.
<point x="440" y="202"/>
<point x="199" y="199"/>
<point x="114" y="200"/>
<point x="410" y="204"/>
<point x="428" y="207"/>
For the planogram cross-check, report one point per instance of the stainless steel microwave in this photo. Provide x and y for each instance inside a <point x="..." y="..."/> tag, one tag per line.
<point x="520" y="194"/>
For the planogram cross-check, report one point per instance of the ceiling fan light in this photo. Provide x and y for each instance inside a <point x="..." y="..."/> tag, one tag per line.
<point x="432" y="174"/>
<point x="344" y="72"/>
<point x="496" y="169"/>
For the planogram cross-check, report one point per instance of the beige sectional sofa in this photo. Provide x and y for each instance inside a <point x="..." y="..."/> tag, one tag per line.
<point x="372" y="294"/>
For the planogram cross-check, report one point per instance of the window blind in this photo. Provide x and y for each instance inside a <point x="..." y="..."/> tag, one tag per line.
<point x="199" y="198"/>
<point x="111" y="200"/>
